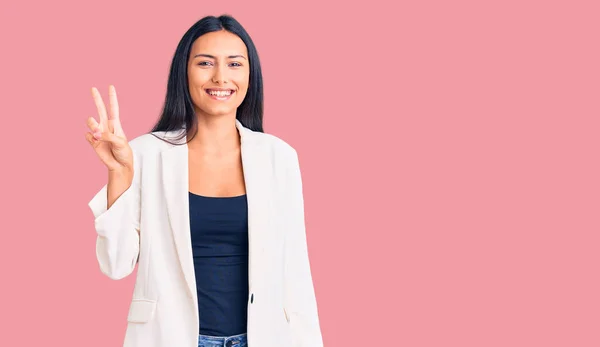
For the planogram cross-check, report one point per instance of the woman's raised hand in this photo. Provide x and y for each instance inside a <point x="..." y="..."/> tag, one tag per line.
<point x="107" y="137"/>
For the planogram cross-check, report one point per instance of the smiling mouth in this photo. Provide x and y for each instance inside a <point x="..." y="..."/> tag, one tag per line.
<point x="220" y="94"/>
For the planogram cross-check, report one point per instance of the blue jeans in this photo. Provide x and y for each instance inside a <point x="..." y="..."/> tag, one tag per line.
<point x="222" y="341"/>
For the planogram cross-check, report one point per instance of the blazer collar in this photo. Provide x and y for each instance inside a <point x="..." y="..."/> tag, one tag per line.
<point x="256" y="164"/>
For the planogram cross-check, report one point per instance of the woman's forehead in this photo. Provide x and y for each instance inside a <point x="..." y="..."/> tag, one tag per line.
<point x="219" y="44"/>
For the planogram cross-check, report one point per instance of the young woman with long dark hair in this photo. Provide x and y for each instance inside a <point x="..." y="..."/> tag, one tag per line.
<point x="208" y="206"/>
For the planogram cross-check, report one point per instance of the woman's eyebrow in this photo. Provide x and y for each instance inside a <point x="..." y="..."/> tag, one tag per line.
<point x="213" y="57"/>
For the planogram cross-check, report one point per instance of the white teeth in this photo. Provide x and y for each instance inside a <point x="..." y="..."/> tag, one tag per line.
<point x="220" y="93"/>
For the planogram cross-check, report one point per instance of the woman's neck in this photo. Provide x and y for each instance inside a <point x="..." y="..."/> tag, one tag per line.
<point x="216" y="135"/>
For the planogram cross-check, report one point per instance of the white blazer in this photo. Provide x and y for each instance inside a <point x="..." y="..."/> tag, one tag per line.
<point x="149" y="225"/>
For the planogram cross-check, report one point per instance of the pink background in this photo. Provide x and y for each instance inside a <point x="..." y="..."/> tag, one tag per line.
<point x="449" y="153"/>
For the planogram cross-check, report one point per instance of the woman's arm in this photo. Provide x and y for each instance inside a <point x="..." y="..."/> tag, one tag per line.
<point x="300" y="300"/>
<point x="116" y="209"/>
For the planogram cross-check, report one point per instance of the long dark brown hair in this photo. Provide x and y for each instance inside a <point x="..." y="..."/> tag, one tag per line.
<point x="178" y="109"/>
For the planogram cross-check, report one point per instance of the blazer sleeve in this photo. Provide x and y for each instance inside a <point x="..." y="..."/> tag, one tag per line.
<point x="117" y="228"/>
<point x="299" y="294"/>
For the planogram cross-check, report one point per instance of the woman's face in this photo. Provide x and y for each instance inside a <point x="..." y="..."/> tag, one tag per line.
<point x="218" y="73"/>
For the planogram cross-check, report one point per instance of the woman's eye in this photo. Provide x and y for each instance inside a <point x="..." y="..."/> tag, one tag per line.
<point x="208" y="63"/>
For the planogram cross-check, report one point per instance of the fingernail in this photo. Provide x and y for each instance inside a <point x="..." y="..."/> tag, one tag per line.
<point x="97" y="135"/>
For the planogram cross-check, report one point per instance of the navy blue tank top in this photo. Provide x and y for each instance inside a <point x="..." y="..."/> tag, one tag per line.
<point x="219" y="231"/>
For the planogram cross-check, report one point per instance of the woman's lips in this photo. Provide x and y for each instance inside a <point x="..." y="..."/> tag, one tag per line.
<point x="220" y="97"/>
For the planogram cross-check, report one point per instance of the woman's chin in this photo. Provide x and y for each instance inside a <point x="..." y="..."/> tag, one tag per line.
<point x="219" y="111"/>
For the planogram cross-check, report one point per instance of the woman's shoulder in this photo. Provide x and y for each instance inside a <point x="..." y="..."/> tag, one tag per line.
<point x="280" y="147"/>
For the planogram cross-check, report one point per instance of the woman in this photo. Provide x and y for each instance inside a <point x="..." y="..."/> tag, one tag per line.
<point x="209" y="207"/>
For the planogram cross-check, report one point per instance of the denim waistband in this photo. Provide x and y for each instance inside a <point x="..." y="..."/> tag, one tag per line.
<point x="223" y="341"/>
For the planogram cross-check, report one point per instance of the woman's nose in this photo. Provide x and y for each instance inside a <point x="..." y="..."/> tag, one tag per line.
<point x="219" y="76"/>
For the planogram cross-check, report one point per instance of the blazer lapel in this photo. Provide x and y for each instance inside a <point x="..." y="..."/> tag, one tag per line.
<point x="257" y="168"/>
<point x="176" y="188"/>
<point x="258" y="176"/>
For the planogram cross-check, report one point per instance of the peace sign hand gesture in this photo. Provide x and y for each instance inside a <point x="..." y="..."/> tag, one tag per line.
<point x="107" y="137"/>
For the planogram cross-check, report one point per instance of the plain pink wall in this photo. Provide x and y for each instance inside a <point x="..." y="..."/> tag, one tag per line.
<point x="449" y="152"/>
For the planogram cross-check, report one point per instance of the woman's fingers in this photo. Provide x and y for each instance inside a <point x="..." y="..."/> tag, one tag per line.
<point x="104" y="125"/>
<point x="90" y="138"/>
<point x="114" y="116"/>
<point x="114" y="104"/>
<point x="99" y="135"/>
<point x="109" y="137"/>
<point x="93" y="125"/>
<point x="95" y="129"/>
